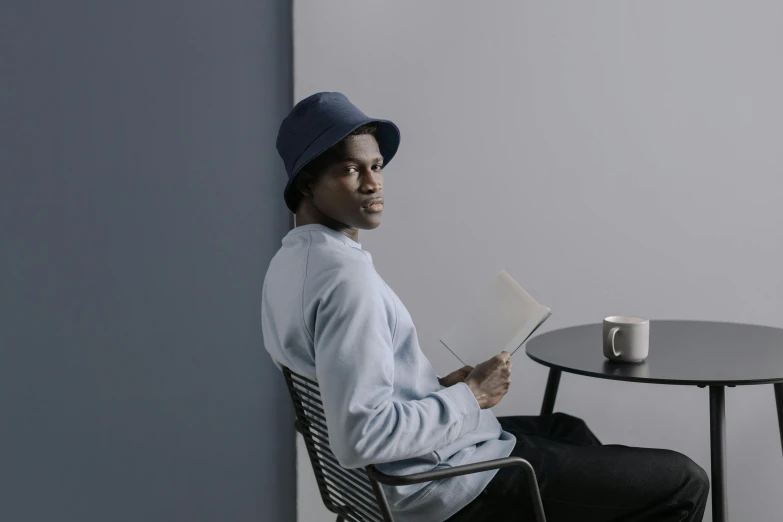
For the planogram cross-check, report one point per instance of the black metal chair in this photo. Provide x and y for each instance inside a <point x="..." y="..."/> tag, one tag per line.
<point x="355" y="495"/>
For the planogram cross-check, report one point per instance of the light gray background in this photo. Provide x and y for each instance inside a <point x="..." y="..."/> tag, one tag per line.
<point x="613" y="157"/>
<point x="140" y="204"/>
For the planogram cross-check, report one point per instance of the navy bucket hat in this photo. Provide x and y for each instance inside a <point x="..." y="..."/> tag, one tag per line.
<point x="319" y="122"/>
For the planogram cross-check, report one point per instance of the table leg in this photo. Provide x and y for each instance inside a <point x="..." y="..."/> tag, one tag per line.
<point x="779" y="399"/>
<point x="551" y="392"/>
<point x="718" y="453"/>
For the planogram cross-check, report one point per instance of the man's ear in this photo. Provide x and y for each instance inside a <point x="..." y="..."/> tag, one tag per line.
<point x="303" y="181"/>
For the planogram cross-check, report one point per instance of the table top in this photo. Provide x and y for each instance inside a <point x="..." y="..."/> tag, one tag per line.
<point x="681" y="352"/>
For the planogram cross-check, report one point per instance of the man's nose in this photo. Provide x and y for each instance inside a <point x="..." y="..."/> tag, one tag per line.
<point x="373" y="180"/>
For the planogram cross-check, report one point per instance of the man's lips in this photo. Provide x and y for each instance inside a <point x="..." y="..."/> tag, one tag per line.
<point x="374" y="204"/>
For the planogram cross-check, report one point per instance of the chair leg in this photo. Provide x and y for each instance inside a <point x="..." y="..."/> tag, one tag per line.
<point x="340" y="518"/>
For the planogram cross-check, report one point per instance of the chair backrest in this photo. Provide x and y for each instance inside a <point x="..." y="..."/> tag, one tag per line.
<point x="349" y="493"/>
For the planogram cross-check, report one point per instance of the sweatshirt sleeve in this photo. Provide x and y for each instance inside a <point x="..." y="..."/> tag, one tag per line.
<point x="354" y="362"/>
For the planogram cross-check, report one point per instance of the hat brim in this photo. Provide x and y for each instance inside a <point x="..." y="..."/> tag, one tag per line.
<point x="387" y="135"/>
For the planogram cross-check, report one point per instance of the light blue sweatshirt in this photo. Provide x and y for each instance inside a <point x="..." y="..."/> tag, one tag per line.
<point x="327" y="314"/>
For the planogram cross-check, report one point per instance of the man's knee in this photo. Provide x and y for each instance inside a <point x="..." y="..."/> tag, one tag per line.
<point x="699" y="475"/>
<point x="570" y="424"/>
<point x="568" y="419"/>
<point x="695" y="478"/>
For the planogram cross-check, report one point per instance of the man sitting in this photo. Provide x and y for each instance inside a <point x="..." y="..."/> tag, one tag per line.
<point x="328" y="315"/>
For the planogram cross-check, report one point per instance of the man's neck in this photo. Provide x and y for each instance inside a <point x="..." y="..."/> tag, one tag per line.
<point x="304" y="218"/>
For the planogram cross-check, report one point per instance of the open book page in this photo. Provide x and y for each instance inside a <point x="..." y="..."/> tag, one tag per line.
<point x="502" y="318"/>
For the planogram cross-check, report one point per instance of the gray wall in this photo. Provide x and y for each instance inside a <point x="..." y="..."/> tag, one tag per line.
<point x="614" y="157"/>
<point x="140" y="205"/>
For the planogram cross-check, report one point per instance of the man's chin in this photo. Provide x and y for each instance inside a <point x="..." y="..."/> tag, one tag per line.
<point x="370" y="221"/>
<point x="375" y="224"/>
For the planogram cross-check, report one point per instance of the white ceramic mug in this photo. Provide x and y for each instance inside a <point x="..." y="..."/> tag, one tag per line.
<point x="626" y="338"/>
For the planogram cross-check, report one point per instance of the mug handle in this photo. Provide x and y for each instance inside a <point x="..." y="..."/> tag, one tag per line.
<point x="610" y="340"/>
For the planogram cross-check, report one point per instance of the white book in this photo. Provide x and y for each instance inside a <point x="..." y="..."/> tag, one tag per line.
<point x="503" y="318"/>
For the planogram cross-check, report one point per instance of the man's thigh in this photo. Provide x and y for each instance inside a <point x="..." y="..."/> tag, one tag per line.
<point x="579" y="478"/>
<point x="592" y="483"/>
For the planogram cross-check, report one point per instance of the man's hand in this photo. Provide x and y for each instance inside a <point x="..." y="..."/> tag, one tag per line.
<point x="455" y="377"/>
<point x="489" y="381"/>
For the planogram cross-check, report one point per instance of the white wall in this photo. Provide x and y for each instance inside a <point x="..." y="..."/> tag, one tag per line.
<point x="615" y="157"/>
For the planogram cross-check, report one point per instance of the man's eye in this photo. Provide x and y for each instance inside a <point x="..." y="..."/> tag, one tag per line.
<point x="351" y="170"/>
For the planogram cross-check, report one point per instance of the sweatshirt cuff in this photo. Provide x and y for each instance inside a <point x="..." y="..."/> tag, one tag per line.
<point x="465" y="402"/>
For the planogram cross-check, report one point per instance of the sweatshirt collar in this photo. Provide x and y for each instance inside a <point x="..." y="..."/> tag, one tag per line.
<point x="335" y="234"/>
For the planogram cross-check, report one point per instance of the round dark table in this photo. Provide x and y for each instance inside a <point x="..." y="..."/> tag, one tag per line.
<point x="695" y="353"/>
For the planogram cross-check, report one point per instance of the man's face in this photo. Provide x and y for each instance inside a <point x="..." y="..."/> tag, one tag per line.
<point x="350" y="181"/>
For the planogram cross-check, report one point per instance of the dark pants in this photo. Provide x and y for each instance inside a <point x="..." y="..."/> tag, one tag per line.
<point x="582" y="480"/>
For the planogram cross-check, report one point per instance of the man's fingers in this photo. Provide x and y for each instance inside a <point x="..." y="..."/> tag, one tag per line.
<point x="503" y="356"/>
